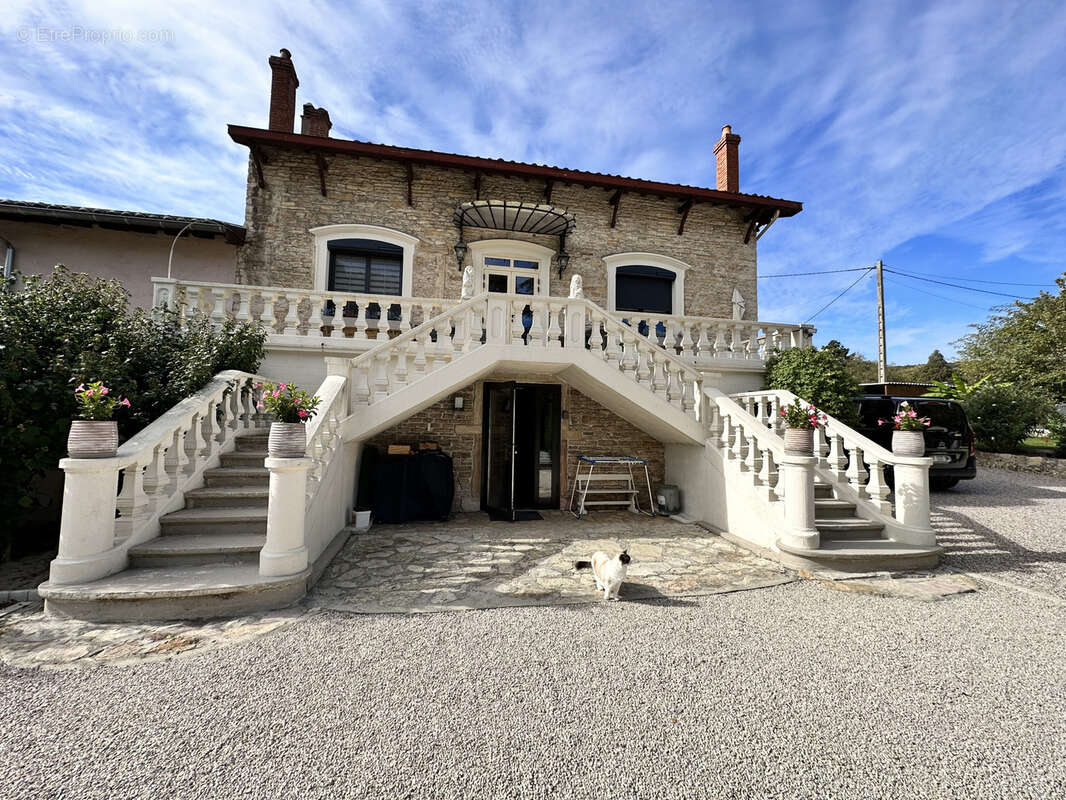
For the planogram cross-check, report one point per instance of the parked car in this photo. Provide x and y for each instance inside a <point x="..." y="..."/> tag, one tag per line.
<point x="949" y="439"/>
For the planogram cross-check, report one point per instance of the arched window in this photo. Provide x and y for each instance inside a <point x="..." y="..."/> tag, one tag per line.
<point x="338" y="249"/>
<point x="647" y="282"/>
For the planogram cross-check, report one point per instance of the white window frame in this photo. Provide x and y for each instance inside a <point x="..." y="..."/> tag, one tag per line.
<point x="328" y="233"/>
<point x="513" y="249"/>
<point x="677" y="301"/>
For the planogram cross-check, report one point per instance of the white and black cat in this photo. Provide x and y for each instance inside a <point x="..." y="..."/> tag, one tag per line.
<point x="608" y="571"/>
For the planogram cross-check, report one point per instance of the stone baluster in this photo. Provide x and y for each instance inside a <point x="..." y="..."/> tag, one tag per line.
<point x="156" y="480"/>
<point x="751" y="458"/>
<point x="399" y="372"/>
<point x="876" y="488"/>
<point x="361" y="383"/>
<point x="728" y="435"/>
<point x="674" y="387"/>
<point x="244" y="307"/>
<point x="767" y="473"/>
<point x="177" y="457"/>
<point x="613" y="351"/>
<point x="643" y="373"/>
<point x="776" y="422"/>
<point x="405" y="317"/>
<point x="360" y="321"/>
<point x="837" y="461"/>
<point x="555" y="331"/>
<point x="132" y="501"/>
<point x="382" y="362"/>
<point x="821" y="446"/>
<point x="421" y="341"/>
<point x="314" y="319"/>
<point x="628" y="362"/>
<point x="291" y="323"/>
<point x="660" y="379"/>
<point x="209" y="430"/>
<point x="740" y="441"/>
<point x="704" y="351"/>
<point x="460" y="324"/>
<point x="194" y="443"/>
<point x="720" y="350"/>
<point x="539" y="327"/>
<point x="687" y="343"/>
<point x="442" y="348"/>
<point x="856" y="473"/>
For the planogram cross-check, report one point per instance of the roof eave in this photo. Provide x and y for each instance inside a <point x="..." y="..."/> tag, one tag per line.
<point x="251" y="137"/>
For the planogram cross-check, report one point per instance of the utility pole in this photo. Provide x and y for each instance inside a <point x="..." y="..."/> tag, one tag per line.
<point x="882" y="366"/>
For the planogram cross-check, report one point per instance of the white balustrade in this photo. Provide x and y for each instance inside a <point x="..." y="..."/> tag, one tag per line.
<point x="101" y="521"/>
<point x="850" y="460"/>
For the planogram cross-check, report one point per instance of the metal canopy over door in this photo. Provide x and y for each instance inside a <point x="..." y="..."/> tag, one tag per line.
<point x="521" y="449"/>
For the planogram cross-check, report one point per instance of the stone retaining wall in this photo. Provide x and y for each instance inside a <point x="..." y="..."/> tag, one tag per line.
<point x="1041" y="465"/>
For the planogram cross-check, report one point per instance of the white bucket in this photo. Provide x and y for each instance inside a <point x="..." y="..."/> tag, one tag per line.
<point x="362" y="520"/>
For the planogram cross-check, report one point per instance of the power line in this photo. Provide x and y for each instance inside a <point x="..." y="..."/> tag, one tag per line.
<point x="958" y="285"/>
<point x="978" y="280"/>
<point x="940" y="296"/>
<point x="852" y="286"/>
<point x="821" y="272"/>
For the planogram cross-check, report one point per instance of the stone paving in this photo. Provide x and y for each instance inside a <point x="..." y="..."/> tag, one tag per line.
<point x="29" y="638"/>
<point x="472" y="563"/>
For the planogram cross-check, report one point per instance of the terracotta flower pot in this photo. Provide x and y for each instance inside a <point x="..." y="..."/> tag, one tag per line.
<point x="287" y="440"/>
<point x="799" y="441"/>
<point x="91" y="438"/>
<point x="908" y="443"/>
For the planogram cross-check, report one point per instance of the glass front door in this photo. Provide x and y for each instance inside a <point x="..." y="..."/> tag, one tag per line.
<point x="521" y="448"/>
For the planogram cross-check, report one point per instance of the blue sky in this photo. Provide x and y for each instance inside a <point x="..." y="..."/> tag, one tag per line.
<point x="931" y="135"/>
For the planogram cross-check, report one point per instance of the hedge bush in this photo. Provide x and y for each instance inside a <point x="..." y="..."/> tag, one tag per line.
<point x="65" y="329"/>
<point x="1002" y="415"/>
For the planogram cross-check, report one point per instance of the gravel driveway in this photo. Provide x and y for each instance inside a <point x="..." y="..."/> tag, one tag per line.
<point x="796" y="691"/>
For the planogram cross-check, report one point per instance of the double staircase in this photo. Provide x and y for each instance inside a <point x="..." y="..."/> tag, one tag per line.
<point x="203" y="523"/>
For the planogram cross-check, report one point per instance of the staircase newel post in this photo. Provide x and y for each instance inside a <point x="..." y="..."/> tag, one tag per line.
<point x="912" y="492"/>
<point x="285" y="551"/>
<point x="575" y="324"/>
<point x="87" y="528"/>
<point x="797" y="480"/>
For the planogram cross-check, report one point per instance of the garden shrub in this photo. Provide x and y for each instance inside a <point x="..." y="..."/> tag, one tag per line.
<point x="821" y="377"/>
<point x="65" y="329"/>
<point x="1003" y="414"/>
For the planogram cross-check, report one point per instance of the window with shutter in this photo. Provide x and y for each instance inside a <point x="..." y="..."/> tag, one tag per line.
<point x="366" y="266"/>
<point x="649" y="289"/>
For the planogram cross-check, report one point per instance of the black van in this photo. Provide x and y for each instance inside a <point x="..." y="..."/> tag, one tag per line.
<point x="949" y="439"/>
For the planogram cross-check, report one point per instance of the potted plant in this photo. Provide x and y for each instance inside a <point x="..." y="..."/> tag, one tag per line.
<point x="94" y="434"/>
<point x="800" y="422"/>
<point x="908" y="437"/>
<point x="291" y="408"/>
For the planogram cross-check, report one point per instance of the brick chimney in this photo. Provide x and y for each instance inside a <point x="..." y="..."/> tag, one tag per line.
<point x="727" y="161"/>
<point x="315" y="121"/>
<point x="283" y="85"/>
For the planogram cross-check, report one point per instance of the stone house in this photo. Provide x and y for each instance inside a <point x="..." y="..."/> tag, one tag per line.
<point x="527" y="319"/>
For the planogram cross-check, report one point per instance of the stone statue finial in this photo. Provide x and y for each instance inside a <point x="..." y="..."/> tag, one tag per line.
<point x="468" y="282"/>
<point x="577" y="288"/>
<point x="738" y="305"/>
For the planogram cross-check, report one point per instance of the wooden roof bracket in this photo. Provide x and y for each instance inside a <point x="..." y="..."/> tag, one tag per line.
<point x="751" y="228"/>
<point x="766" y="227"/>
<point x="683" y="210"/>
<point x="548" y="185"/>
<point x="477" y="184"/>
<point x="258" y="159"/>
<point x="410" y="182"/>
<point x="322" y="168"/>
<point x="615" y="200"/>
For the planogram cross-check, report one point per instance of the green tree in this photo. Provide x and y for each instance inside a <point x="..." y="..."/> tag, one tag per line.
<point x="821" y="377"/>
<point x="1023" y="344"/>
<point x="936" y="368"/>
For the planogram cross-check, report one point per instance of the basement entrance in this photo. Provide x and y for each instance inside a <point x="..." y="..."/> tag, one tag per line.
<point x="520" y="454"/>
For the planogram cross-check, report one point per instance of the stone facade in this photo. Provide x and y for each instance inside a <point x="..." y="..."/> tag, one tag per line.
<point x="587" y="429"/>
<point x="279" y="250"/>
<point x="1039" y="465"/>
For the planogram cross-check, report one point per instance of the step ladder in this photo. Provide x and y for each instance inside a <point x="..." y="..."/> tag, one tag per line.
<point x="592" y="483"/>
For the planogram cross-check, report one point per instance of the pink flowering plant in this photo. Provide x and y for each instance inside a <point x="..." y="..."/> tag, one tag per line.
<point x="906" y="419"/>
<point x="287" y="402"/>
<point x="96" y="401"/>
<point x="802" y="417"/>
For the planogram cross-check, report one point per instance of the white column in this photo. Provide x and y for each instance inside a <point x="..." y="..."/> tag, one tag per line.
<point x="912" y="492"/>
<point x="797" y="481"/>
<point x="285" y="552"/>
<point x="87" y="529"/>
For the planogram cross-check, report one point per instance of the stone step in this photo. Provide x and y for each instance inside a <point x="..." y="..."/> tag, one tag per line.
<point x="177" y="592"/>
<point x="227" y="497"/>
<point x="198" y="548"/>
<point x="847" y="529"/>
<point x="252" y="442"/>
<point x="231" y="520"/>
<point x="862" y="555"/>
<point x="821" y="490"/>
<point x="830" y="508"/>
<point x="244" y="458"/>
<point x="237" y="476"/>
